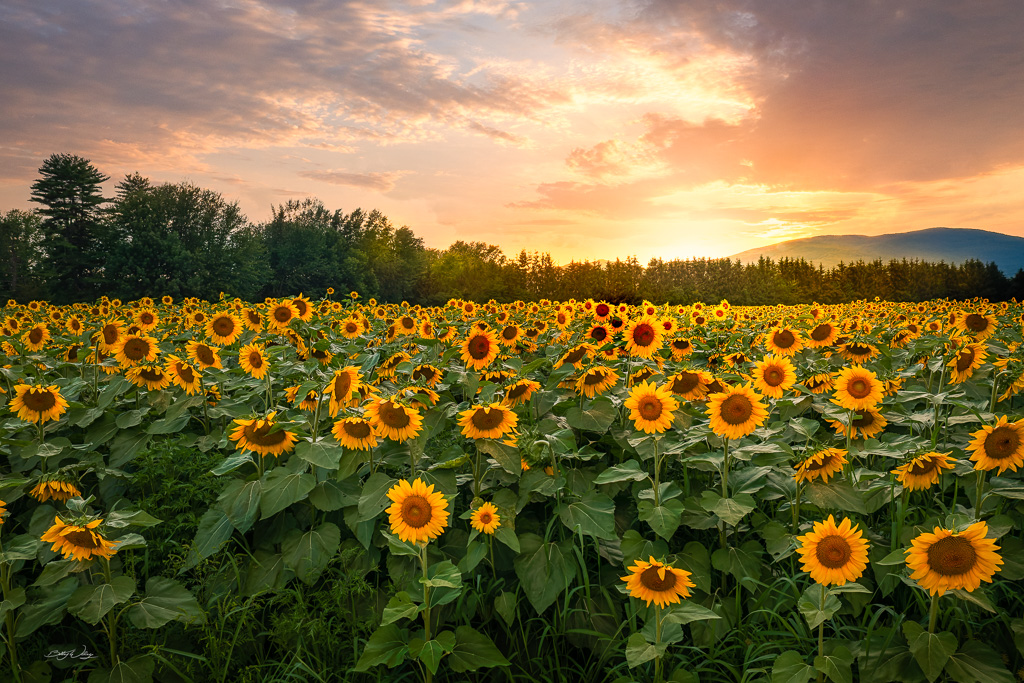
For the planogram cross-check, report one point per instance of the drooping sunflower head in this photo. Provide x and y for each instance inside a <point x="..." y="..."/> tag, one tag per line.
<point x="821" y="465"/>
<point x="184" y="375"/>
<point x="657" y="582"/>
<point x="488" y="422"/>
<point x="857" y="352"/>
<point x="923" y="471"/>
<point x="736" y="412"/>
<point x="393" y="420"/>
<point x="968" y="358"/>
<point x="946" y="560"/>
<point x="355" y="433"/>
<point x="263" y="436"/>
<point x="55" y="488"/>
<point x="520" y="391"/>
<point x="596" y="381"/>
<point x="576" y="356"/>
<point x="38" y="403"/>
<point x="343" y="385"/>
<point x="833" y="555"/>
<point x="485" y="518"/>
<point x="651" y="407"/>
<point x="417" y="513"/>
<point x="867" y="423"/>
<point x="78" y="541"/>
<point x="691" y="385"/>
<point x="999" y="446"/>
<point x="149" y="376"/>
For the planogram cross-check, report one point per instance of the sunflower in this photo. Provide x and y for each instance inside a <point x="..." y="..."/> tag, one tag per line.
<point x="833" y="555"/>
<point x="488" y="422"/>
<point x="258" y="435"/>
<point x="78" y="541"/>
<point x="822" y="464"/>
<point x="355" y="433"/>
<point x="946" y="560"/>
<point x="520" y="391"/>
<point x="602" y="311"/>
<point x="596" y="380"/>
<point x="390" y="366"/>
<point x="151" y="376"/>
<point x="857" y="388"/>
<point x="690" y="385"/>
<point x="598" y="333"/>
<point x="417" y="512"/>
<point x="203" y="355"/>
<point x="3" y="511"/>
<point x="223" y="328"/>
<point x="773" y="375"/>
<point x="999" y="446"/>
<point x="820" y="383"/>
<point x="479" y="349"/>
<point x="651" y="407"/>
<point x="308" y="402"/>
<point x="980" y="325"/>
<point x="303" y="308"/>
<point x="923" y="471"/>
<point x="146" y="319"/>
<point x="394" y="421"/>
<point x="350" y="329"/>
<point x="36" y="403"/>
<point x="36" y="337"/>
<point x="643" y="337"/>
<point x="428" y="373"/>
<point x="485" y="519"/>
<point x="657" y="582"/>
<point x="783" y="341"/>
<point x="822" y="335"/>
<point x="736" y="412"/>
<point x="867" y="423"/>
<point x="857" y="352"/>
<point x="576" y="356"/>
<point x="968" y="358"/>
<point x="54" y="488"/>
<point x="345" y="382"/>
<point x="680" y="348"/>
<point x="281" y="314"/>
<point x="184" y="375"/>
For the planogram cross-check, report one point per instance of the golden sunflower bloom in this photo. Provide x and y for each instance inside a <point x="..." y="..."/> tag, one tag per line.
<point x="736" y="412"/>
<point x="480" y="349"/>
<point x="643" y="337"/>
<point x="823" y="334"/>
<point x="307" y="402"/>
<point x="146" y="319"/>
<point x="680" y="348"/>
<point x="773" y="375"/>
<point x="488" y="422"/>
<point x="969" y="358"/>
<point x="946" y="560"/>
<point x="656" y="582"/>
<point x="281" y="315"/>
<point x="133" y="349"/>
<point x="923" y="471"/>
<point x="151" y="377"/>
<point x="690" y="385"/>
<point x="256" y="435"/>
<point x="303" y="308"/>
<point x="867" y="423"/>
<point x="184" y="375"/>
<point x="417" y="512"/>
<point x="833" y="555"/>
<point x="980" y="326"/>
<point x="109" y="336"/>
<point x="856" y="352"/>
<point x="394" y="421"/>
<point x="252" y="358"/>
<point x="519" y="392"/>
<point x="350" y="329"/>
<point x="355" y="433"/>
<point x="651" y="407"/>
<point x="36" y="337"/>
<point x="999" y="446"/>
<point x="485" y="519"/>
<point x="36" y="403"/>
<point x="857" y="389"/>
<point x="345" y="382"/>
<point x="820" y="383"/>
<point x="783" y="341"/>
<point x="203" y="355"/>
<point x="3" y="511"/>
<point x="223" y="329"/>
<point x="596" y="381"/>
<point x="79" y="542"/>
<point x="821" y="465"/>
<point x="55" y="489"/>
<point x="576" y="356"/>
<point x="428" y="373"/>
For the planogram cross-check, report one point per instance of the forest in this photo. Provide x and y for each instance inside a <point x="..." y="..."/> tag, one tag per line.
<point x="182" y="240"/>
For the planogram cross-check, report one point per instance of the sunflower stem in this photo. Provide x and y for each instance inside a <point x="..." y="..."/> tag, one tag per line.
<point x="821" y="631"/>
<point x="933" y="613"/>
<point x="935" y="427"/>
<point x="979" y="494"/>
<point x="657" y="475"/>
<point x="428" y="676"/>
<point x="5" y="585"/>
<point x="490" y="551"/>
<point x="796" y="508"/>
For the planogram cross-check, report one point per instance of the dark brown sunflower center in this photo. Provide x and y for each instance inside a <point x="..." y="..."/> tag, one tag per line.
<point x="486" y="420"/>
<point x="864" y="420"/>
<point x="774" y="376"/>
<point x="300" y="306"/>
<point x="426" y="374"/>
<point x="952" y="556"/>
<point x="253" y="317"/>
<point x="282" y="314"/>
<point x="650" y="408"/>
<point x="599" y="333"/>
<point x="185" y="373"/>
<point x="833" y="552"/>
<point x="136" y="349"/>
<point x="416" y="511"/>
<point x="816" y="465"/>
<point x="652" y="581"/>
<point x="146" y="318"/>
<point x="407" y="322"/>
<point x="594" y="377"/>
<point x="357" y="430"/>
<point x="151" y="374"/>
<point x="681" y="344"/>
<point x="35" y="335"/>
<point x="859" y="388"/>
<point x="82" y="538"/>
<point x="485" y="518"/>
<point x="783" y="339"/>
<point x="224" y="326"/>
<point x="821" y="332"/>
<point x="262" y="436"/>
<point x="924" y="466"/>
<point x="643" y="335"/>
<point x="685" y="382"/>
<point x="510" y="333"/>
<point x="351" y="328"/>
<point x="73" y="352"/>
<point x="855" y="349"/>
<point x="199" y="317"/>
<point x="479" y="347"/>
<point x="40" y="401"/>
<point x="602" y="310"/>
<point x="575" y="355"/>
<point x="392" y="415"/>
<point x="964" y="359"/>
<point x="205" y="355"/>
<point x="975" y="322"/>
<point x="736" y="409"/>
<point x="1002" y="443"/>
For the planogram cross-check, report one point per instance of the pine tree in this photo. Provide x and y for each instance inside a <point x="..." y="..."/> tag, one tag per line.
<point x="72" y="241"/>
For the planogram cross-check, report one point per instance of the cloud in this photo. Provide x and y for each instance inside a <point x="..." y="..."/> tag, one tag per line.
<point x="377" y="181"/>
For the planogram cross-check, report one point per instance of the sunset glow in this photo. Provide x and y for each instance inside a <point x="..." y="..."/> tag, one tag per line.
<point x="591" y="130"/>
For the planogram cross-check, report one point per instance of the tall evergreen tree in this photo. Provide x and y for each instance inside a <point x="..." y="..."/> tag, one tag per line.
<point x="69" y="190"/>
<point x="19" y="254"/>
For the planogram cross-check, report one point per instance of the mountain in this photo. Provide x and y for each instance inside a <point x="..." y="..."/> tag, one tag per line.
<point x="952" y="245"/>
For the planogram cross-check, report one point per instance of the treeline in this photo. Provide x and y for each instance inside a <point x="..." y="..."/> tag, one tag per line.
<point x="183" y="240"/>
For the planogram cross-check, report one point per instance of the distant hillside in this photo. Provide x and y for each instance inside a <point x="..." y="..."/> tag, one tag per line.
<point x="952" y="245"/>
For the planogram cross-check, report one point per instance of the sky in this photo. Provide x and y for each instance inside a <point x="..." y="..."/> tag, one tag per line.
<point x="589" y="129"/>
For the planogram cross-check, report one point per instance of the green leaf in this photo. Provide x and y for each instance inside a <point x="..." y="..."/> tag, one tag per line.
<point x="231" y="463"/>
<point x="21" y="547"/>
<point x="638" y="650"/>
<point x="240" y="501"/>
<point x="400" y="606"/>
<point x="165" y="600"/>
<point x="597" y="417"/>
<point x="445" y="581"/>
<point x="214" y="530"/>
<point x="835" y="495"/>
<point x="810" y="605"/>
<point x="627" y="471"/>
<point x="473" y="650"/>
<point x="506" y="606"/>
<point x="126" y="447"/>
<point x="267" y="572"/>
<point x="49" y="610"/>
<point x="790" y="667"/>
<point x="930" y="650"/>
<point x="331" y="495"/>
<point x="430" y="653"/>
<point x="594" y="514"/>
<point x="169" y="426"/>
<point x="686" y="612"/>
<point x="321" y="453"/>
<point x="308" y="553"/>
<point x="506" y="535"/>
<point x="664" y="519"/>
<point x="54" y="571"/>
<point x="281" y="488"/>
<point x="138" y="669"/>
<point x="15" y="599"/>
<point x="837" y="666"/>
<point x="386" y="646"/>
<point x="976" y="662"/>
<point x="130" y="418"/>
<point x="374" y="497"/>
<point x="506" y="456"/>
<point x="742" y="562"/>
<point x="544" y="570"/>
<point x="91" y="603"/>
<point x="729" y="510"/>
<point x="896" y="557"/>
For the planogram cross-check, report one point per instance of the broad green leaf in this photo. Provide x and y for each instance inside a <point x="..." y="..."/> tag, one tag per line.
<point x="240" y="501"/>
<point x="281" y="488"/>
<point x="374" y="497"/>
<point x="308" y="553"/>
<point x="790" y="667"/>
<point x="741" y="562"/>
<point x="15" y="599"/>
<point x="594" y="514"/>
<point x="231" y="463"/>
<point x="130" y="418"/>
<point x="266" y="572"/>
<point x="386" y="646"/>
<point x="930" y="650"/>
<point x="810" y="605"/>
<point x="835" y="495"/>
<point x="976" y="662"/>
<point x="445" y="582"/>
<point x="331" y="495"/>
<point x="506" y="456"/>
<point x="214" y="530"/>
<point x="321" y="453"/>
<point x="627" y="471"/>
<point x="837" y="666"/>
<point x="544" y="570"/>
<point x="638" y="650"/>
<point x="664" y="519"/>
<point x="729" y="510"/>
<point x="90" y="603"/>
<point x="21" y="547"/>
<point x="505" y="605"/>
<point x="430" y="653"/>
<point x="597" y="416"/>
<point x="169" y="426"/>
<point x="400" y="606"/>
<point x="165" y="600"/>
<point x="473" y="650"/>
<point x="54" y="571"/>
<point x="138" y="669"/>
<point x="48" y="610"/>
<point x="686" y="612"/>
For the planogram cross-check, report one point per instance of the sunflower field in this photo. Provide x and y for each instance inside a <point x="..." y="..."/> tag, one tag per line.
<point x="338" y="490"/>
